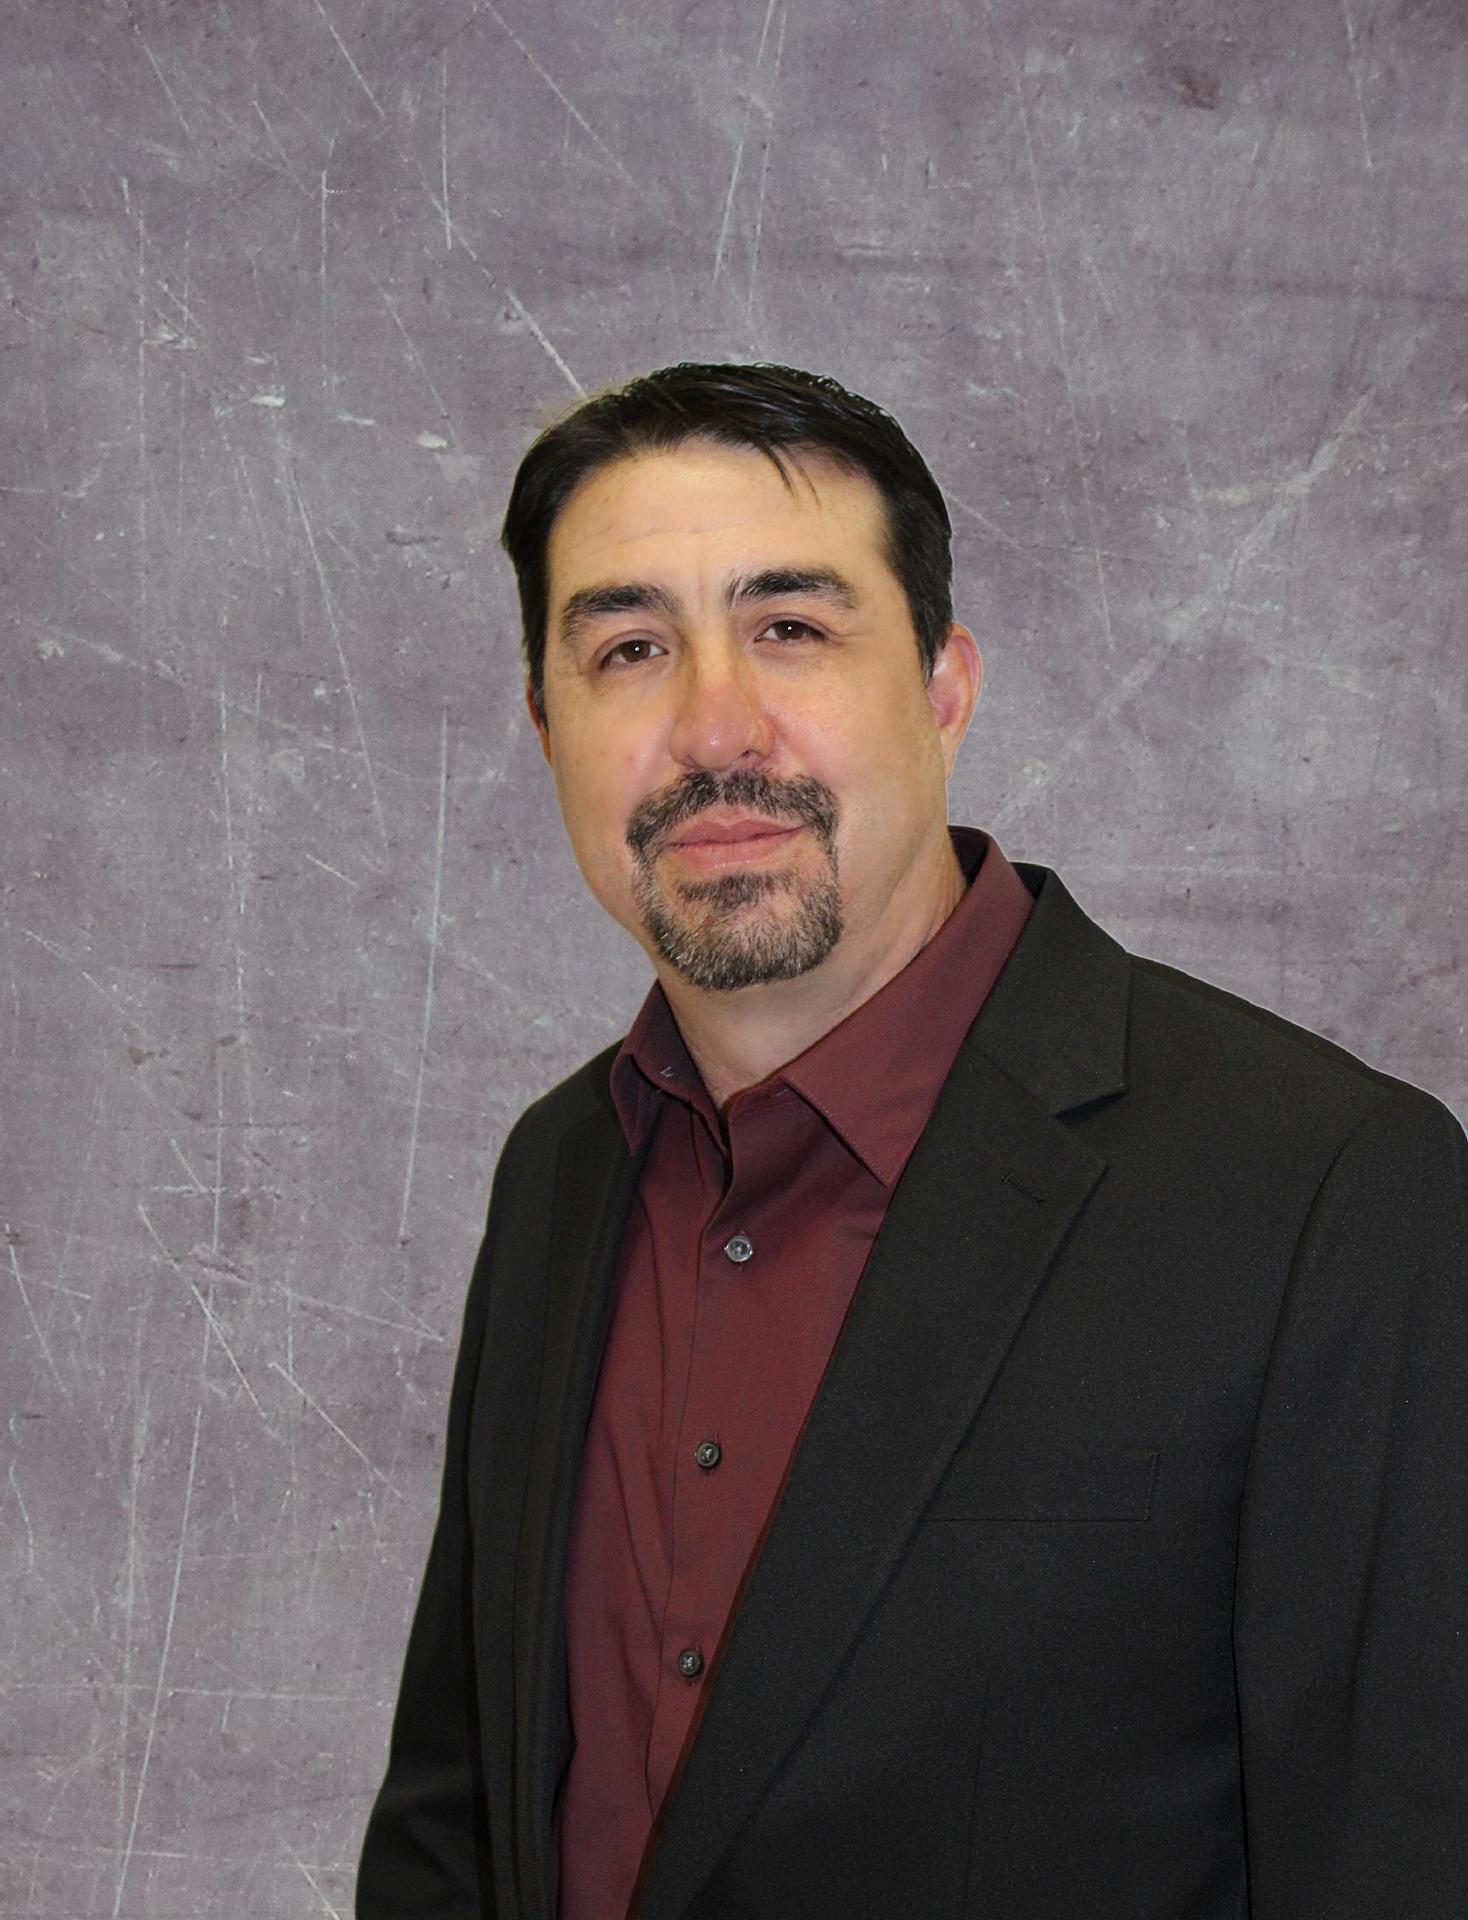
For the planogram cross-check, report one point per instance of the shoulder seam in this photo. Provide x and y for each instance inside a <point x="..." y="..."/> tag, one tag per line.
<point x="1277" y="1023"/>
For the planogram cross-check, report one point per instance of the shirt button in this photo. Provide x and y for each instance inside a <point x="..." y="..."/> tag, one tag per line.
<point x="739" y="1249"/>
<point x="708" y="1454"/>
<point x="690" y="1663"/>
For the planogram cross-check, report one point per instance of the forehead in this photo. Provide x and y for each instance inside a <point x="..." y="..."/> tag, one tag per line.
<point x="703" y="505"/>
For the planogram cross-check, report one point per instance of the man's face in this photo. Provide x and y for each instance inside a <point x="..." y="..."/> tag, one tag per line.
<point x="747" y="759"/>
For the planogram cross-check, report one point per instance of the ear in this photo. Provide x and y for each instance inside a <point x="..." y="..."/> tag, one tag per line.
<point x="537" y="722"/>
<point x="953" y="689"/>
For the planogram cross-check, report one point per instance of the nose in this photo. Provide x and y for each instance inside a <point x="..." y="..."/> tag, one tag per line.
<point x="721" y="718"/>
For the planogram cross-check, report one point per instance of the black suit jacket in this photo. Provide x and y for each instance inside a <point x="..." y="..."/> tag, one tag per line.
<point x="1120" y="1570"/>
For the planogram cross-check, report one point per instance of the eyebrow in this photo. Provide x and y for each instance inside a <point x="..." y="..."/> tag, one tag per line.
<point x="770" y="583"/>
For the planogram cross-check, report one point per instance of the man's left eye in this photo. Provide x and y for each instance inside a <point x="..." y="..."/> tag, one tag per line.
<point x="792" y="630"/>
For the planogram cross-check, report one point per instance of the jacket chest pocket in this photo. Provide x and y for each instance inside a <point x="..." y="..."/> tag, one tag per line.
<point x="1048" y="1485"/>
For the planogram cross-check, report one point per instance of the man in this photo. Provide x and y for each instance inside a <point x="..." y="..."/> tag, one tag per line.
<point x="952" y="1419"/>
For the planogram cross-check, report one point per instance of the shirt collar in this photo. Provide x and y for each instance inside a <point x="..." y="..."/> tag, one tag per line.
<point x="875" y="1076"/>
<point x="653" y="1065"/>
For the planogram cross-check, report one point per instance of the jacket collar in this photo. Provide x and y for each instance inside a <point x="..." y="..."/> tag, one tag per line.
<point x="1056" y="1023"/>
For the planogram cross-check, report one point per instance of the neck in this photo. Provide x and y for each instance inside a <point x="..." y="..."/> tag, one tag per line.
<point x="738" y="1039"/>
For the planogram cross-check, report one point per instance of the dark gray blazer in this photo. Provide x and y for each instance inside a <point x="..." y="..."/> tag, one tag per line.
<point x="1121" y="1569"/>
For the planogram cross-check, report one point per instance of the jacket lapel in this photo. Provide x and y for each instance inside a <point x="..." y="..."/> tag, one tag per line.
<point x="595" y="1182"/>
<point x="975" y="1223"/>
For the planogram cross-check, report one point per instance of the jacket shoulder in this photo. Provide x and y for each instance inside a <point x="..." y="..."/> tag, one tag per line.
<point x="582" y="1096"/>
<point x="1075" y="1017"/>
<point x="1247" y="1050"/>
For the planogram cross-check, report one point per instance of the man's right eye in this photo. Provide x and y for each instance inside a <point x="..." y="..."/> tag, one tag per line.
<point x="622" y="653"/>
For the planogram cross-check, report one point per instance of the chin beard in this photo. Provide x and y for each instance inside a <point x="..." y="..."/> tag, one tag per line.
<point x="746" y="928"/>
<point x="732" y="933"/>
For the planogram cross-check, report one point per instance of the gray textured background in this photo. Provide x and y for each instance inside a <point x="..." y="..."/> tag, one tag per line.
<point x="1174" y="298"/>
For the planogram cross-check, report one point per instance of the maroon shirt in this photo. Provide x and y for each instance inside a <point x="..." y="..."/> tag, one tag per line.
<point x="736" y="1272"/>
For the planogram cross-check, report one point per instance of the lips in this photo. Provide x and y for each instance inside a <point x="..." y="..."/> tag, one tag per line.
<point x="723" y="833"/>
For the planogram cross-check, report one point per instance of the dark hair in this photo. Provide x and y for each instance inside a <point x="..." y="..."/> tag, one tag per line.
<point x="766" y="407"/>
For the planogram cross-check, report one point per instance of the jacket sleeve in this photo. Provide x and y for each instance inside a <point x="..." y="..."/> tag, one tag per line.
<point x="1351" y="1606"/>
<point x="426" y="1850"/>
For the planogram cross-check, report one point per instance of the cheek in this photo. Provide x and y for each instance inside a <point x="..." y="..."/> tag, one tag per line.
<point x="593" y="783"/>
<point x="867" y="746"/>
<point x="597" y="789"/>
<point x="596" y="835"/>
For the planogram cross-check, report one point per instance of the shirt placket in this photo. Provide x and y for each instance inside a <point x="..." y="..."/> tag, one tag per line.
<point x="732" y="1259"/>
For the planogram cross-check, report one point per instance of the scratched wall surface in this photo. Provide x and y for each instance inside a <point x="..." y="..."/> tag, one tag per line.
<point x="1173" y="296"/>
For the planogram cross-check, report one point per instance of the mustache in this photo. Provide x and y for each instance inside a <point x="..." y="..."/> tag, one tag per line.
<point x="801" y="798"/>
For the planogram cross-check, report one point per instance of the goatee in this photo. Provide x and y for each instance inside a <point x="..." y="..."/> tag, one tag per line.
<point x="713" y="931"/>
